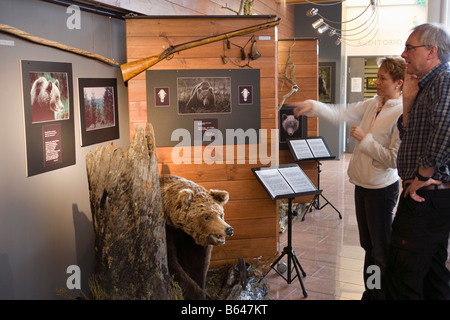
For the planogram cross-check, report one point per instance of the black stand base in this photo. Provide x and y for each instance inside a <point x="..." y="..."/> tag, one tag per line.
<point x="315" y="201"/>
<point x="291" y="257"/>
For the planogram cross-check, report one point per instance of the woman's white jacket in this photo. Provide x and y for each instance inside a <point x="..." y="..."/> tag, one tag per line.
<point x="374" y="161"/>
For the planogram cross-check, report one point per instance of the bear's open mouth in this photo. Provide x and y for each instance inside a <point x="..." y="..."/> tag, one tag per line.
<point x="217" y="238"/>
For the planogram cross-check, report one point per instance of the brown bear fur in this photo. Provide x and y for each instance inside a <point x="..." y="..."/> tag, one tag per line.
<point x="195" y="222"/>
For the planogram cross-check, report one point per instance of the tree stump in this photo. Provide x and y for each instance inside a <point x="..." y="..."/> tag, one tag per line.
<point x="128" y="219"/>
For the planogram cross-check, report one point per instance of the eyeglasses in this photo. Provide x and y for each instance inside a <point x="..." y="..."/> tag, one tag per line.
<point x="409" y="48"/>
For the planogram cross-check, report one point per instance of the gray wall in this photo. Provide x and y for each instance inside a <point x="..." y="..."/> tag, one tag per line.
<point x="328" y="52"/>
<point x="45" y="220"/>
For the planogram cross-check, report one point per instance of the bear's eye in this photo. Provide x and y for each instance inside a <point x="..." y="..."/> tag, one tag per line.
<point x="207" y="218"/>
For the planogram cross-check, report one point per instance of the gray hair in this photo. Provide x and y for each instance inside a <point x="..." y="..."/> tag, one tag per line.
<point x="431" y="35"/>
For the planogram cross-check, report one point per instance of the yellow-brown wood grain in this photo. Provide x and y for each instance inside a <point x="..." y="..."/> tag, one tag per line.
<point x="304" y="55"/>
<point x="250" y="210"/>
<point x="147" y="37"/>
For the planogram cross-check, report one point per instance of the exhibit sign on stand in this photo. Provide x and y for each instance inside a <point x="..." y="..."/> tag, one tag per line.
<point x="287" y="182"/>
<point x="313" y="149"/>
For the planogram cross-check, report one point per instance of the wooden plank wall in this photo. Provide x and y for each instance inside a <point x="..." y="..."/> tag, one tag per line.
<point x="304" y="55"/>
<point x="250" y="211"/>
<point x="210" y="7"/>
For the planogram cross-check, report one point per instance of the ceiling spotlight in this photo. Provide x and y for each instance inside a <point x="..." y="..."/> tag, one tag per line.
<point x="318" y="23"/>
<point x="312" y="12"/>
<point x="323" y="28"/>
<point x="338" y="41"/>
<point x="373" y="4"/>
<point x="332" y="32"/>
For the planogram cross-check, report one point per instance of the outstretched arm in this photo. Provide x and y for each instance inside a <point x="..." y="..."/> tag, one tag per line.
<point x="352" y="113"/>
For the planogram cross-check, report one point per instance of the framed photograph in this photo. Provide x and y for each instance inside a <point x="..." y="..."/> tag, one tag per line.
<point x="291" y="126"/>
<point x="48" y="115"/>
<point x="327" y="74"/>
<point x="50" y="96"/>
<point x="203" y="95"/>
<point x="99" y="112"/>
<point x="370" y="83"/>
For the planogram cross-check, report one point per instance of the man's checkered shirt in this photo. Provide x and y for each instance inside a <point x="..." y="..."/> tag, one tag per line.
<point x="425" y="142"/>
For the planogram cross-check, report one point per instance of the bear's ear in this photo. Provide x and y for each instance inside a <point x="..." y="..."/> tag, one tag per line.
<point x="284" y="116"/>
<point x="220" y="196"/>
<point x="56" y="83"/>
<point x="185" y="196"/>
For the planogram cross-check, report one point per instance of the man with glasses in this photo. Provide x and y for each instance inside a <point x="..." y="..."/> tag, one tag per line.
<point x="420" y="231"/>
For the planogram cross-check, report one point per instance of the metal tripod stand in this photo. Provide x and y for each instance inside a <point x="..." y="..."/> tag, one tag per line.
<point x="315" y="201"/>
<point x="291" y="257"/>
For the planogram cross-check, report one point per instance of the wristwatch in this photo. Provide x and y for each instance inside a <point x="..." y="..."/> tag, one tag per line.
<point x="421" y="177"/>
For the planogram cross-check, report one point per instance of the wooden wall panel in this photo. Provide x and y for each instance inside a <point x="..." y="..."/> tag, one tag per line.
<point x="250" y="210"/>
<point x="304" y="55"/>
<point x="210" y="7"/>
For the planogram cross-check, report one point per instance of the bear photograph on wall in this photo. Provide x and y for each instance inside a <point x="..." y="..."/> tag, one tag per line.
<point x="291" y="126"/>
<point x="204" y="95"/>
<point x="49" y="96"/>
<point x="48" y="115"/>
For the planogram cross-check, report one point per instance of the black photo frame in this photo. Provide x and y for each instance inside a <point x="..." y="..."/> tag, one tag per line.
<point x="48" y="115"/>
<point x="290" y="126"/>
<point x="327" y="85"/>
<point x="99" y="114"/>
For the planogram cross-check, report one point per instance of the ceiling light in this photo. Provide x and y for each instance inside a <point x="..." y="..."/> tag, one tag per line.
<point x="318" y="23"/>
<point x="332" y="32"/>
<point x="338" y="41"/>
<point x="323" y="28"/>
<point x="312" y="12"/>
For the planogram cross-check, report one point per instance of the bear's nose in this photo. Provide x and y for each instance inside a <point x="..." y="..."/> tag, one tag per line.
<point x="229" y="231"/>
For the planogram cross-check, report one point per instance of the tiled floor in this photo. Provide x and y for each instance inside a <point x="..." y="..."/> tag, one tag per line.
<point x="327" y="247"/>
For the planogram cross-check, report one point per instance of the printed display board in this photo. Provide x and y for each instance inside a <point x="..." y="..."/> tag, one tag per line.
<point x="48" y="115"/>
<point x="202" y="104"/>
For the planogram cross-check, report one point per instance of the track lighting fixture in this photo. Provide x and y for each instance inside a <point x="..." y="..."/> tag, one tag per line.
<point x="367" y="23"/>
<point x="318" y="23"/>
<point x="323" y="28"/>
<point x="312" y="12"/>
